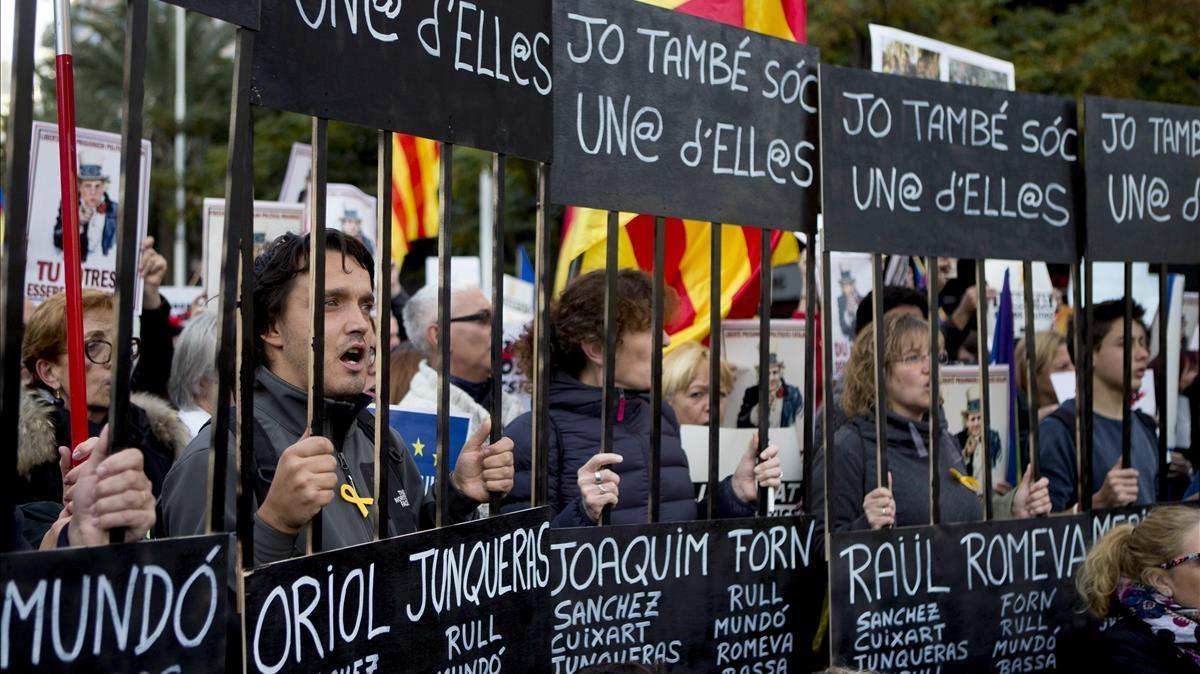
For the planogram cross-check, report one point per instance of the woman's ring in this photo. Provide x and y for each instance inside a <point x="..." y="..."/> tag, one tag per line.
<point x="602" y="489"/>
<point x="599" y="480"/>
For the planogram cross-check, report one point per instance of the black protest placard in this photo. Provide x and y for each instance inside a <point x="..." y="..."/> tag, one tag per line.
<point x="920" y="167"/>
<point x="983" y="597"/>
<point x="1143" y="181"/>
<point x="144" y="607"/>
<point x="727" y="596"/>
<point x="469" y="597"/>
<point x="472" y="73"/>
<point x="238" y="12"/>
<point x="664" y="113"/>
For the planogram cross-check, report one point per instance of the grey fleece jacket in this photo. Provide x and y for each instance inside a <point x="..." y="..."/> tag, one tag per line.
<point x="281" y="411"/>
<point x="852" y="475"/>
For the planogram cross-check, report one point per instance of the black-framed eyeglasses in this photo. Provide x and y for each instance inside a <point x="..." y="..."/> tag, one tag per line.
<point x="483" y="316"/>
<point x="99" y="351"/>
<point x="1178" y="561"/>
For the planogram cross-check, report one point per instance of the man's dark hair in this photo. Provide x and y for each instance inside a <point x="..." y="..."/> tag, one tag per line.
<point x="276" y="268"/>
<point x="893" y="296"/>
<point x="1106" y="316"/>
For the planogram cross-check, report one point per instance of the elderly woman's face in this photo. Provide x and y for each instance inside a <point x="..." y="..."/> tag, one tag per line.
<point x="691" y="404"/>
<point x="98" y="337"/>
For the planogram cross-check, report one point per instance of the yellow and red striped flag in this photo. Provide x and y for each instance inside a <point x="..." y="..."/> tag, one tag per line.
<point x="415" y="179"/>
<point x="688" y="241"/>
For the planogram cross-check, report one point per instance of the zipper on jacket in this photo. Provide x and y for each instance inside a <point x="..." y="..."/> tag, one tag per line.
<point x="620" y="405"/>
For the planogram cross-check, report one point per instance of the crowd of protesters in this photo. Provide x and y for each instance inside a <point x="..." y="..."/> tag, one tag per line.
<point x="74" y="496"/>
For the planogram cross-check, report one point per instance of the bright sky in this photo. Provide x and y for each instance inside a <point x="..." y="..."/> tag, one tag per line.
<point x="45" y="18"/>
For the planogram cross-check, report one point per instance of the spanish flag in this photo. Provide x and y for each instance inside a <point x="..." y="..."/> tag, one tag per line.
<point x="415" y="179"/>
<point x="687" y="252"/>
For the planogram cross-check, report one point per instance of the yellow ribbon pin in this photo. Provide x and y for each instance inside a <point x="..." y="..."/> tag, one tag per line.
<point x="966" y="480"/>
<point x="351" y="496"/>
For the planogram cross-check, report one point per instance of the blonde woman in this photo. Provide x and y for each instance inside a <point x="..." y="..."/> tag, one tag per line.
<point x="685" y="383"/>
<point x="856" y="502"/>
<point x="1147" y="578"/>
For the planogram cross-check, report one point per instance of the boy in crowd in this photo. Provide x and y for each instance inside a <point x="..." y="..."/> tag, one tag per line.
<point x="1113" y="485"/>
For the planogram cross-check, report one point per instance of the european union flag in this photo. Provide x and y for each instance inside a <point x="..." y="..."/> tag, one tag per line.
<point x="419" y="430"/>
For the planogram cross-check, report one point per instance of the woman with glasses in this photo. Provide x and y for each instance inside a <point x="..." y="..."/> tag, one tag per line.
<point x="1146" y="579"/>
<point x="583" y="481"/>
<point x="153" y="425"/>
<point x="856" y="499"/>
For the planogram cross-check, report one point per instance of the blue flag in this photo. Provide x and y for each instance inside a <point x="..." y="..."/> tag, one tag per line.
<point x="419" y="430"/>
<point x="1003" y="341"/>
<point x="524" y="265"/>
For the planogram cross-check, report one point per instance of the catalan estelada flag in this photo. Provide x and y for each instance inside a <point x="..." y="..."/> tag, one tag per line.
<point x="415" y="179"/>
<point x="688" y="249"/>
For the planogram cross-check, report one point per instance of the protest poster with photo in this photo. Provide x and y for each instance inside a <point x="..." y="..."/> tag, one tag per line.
<point x="1046" y="299"/>
<point x="739" y="348"/>
<point x="296" y="176"/>
<point x="352" y="212"/>
<point x="733" y="444"/>
<point x="962" y="402"/>
<point x="98" y="178"/>
<point x="518" y="315"/>
<point x="899" y="52"/>
<point x="272" y="219"/>
<point x="850" y="275"/>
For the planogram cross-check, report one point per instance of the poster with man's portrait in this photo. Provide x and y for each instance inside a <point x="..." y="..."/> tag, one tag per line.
<point x="850" y="280"/>
<point x="785" y="400"/>
<point x="351" y="211"/>
<point x="272" y="219"/>
<point x="297" y="174"/>
<point x="962" y="403"/>
<point x="98" y="181"/>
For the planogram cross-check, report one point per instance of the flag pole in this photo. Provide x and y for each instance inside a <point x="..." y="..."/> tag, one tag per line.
<point x="69" y="205"/>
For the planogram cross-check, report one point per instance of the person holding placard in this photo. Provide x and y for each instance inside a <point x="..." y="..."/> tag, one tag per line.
<point x="1114" y="485"/>
<point x="1145" y="579"/>
<point x="856" y="501"/>
<point x="581" y="481"/>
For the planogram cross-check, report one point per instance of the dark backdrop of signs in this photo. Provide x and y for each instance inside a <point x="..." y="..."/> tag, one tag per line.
<point x="982" y="597"/>
<point x="1143" y="180"/>
<point x="238" y="12"/>
<point x="919" y="167"/>
<point x="472" y="73"/>
<point x="725" y="596"/>
<point x="144" y="607"/>
<point x="660" y="112"/>
<point x="469" y="597"/>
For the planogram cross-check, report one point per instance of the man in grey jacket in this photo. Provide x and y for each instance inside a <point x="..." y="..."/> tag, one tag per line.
<point x="298" y="475"/>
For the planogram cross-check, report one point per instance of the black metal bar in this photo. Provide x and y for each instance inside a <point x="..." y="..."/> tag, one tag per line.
<point x="985" y="378"/>
<point x="443" y="408"/>
<point x="544" y="289"/>
<point x="1127" y="374"/>
<point x="714" y="369"/>
<point x="607" y="415"/>
<point x="497" y="411"/>
<point x="656" y="351"/>
<point x="383" y="359"/>
<point x="1085" y="358"/>
<point x="935" y="427"/>
<point x="764" y="355"/>
<point x="827" y="403"/>
<point x="316" y="301"/>
<point x="1160" y="383"/>
<point x="235" y="341"/>
<point x="127" y="230"/>
<point x="807" y="444"/>
<point x="1031" y="393"/>
<point x="1081" y="374"/>
<point x="881" y="467"/>
<point x="16" y="184"/>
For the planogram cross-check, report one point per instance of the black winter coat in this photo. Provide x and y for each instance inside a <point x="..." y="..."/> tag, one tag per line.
<point x="575" y="436"/>
<point x="1127" y="646"/>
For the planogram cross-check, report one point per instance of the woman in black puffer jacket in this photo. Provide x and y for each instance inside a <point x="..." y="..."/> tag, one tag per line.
<point x="582" y="481"/>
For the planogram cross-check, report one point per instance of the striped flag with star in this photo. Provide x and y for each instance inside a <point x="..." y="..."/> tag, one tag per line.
<point x="688" y="241"/>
